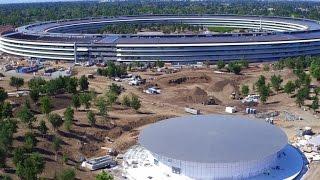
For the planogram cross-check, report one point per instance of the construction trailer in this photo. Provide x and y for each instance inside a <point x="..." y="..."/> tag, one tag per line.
<point x="192" y="111"/>
<point x="99" y="163"/>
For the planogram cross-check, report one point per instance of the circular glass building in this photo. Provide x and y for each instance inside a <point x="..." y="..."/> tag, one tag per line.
<point x="214" y="146"/>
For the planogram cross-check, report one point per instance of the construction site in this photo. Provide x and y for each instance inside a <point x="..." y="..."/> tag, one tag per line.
<point x="167" y="92"/>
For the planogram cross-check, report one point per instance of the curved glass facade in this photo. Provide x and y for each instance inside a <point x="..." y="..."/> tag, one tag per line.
<point x="62" y="40"/>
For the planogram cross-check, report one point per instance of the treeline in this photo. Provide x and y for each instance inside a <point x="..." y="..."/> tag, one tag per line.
<point x="304" y="68"/>
<point x="20" y="14"/>
<point x="135" y="28"/>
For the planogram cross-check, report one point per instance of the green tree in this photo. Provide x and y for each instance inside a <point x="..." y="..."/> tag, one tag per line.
<point x="102" y="106"/>
<point x="3" y="158"/>
<point x="67" y="174"/>
<point x="7" y="129"/>
<point x="234" y="67"/>
<point x="302" y="95"/>
<point x="221" y="64"/>
<point x="289" y="87"/>
<point x="261" y="82"/>
<point x="125" y="101"/>
<point x="245" y="90"/>
<point x="30" y="141"/>
<point x="85" y="99"/>
<point x="264" y="93"/>
<point x="111" y="97"/>
<point x="72" y="84"/>
<point x="114" y="88"/>
<point x="6" y="110"/>
<point x="76" y="101"/>
<point x="18" y="155"/>
<point x="56" y="145"/>
<point x="84" y="83"/>
<point x="317" y="91"/>
<point x="68" y="118"/>
<point x="36" y="83"/>
<point x="16" y="82"/>
<point x="42" y="128"/>
<point x="315" y="103"/>
<point x="159" y="63"/>
<point x="26" y="116"/>
<point x="91" y="118"/>
<point x="266" y="67"/>
<point x="104" y="176"/>
<point x="46" y="105"/>
<point x="3" y="95"/>
<point x="244" y="63"/>
<point x="34" y="95"/>
<point x="30" y="167"/>
<point x="5" y="177"/>
<point x="315" y="69"/>
<point x="135" y="102"/>
<point x="276" y="82"/>
<point x="55" y="120"/>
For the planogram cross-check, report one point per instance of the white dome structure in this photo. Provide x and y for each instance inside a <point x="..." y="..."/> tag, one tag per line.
<point x="215" y="146"/>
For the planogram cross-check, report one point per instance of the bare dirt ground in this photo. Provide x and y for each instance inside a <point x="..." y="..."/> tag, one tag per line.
<point x="189" y="87"/>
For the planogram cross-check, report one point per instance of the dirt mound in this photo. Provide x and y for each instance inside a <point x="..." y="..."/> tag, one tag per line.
<point x="196" y="95"/>
<point x="183" y="78"/>
<point x="190" y="79"/>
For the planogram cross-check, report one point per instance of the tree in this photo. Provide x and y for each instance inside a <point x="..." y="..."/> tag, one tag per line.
<point x="264" y="93"/>
<point x="91" y="118"/>
<point x="67" y="174"/>
<point x="104" y="176"/>
<point x="245" y="90"/>
<point x="3" y="95"/>
<point x="26" y="116"/>
<point x="5" y="177"/>
<point x="244" y="63"/>
<point x="289" y="87"/>
<point x="111" y="97"/>
<point x="43" y="129"/>
<point x="315" y="69"/>
<point x="46" y="105"/>
<point x="18" y="155"/>
<point x="56" y="145"/>
<point x="85" y="99"/>
<point x="302" y="94"/>
<point x="30" y="166"/>
<point x="3" y="157"/>
<point x="125" y="101"/>
<point x="30" y="141"/>
<point x="16" y="82"/>
<point x="72" y="84"/>
<point x="7" y="128"/>
<point x="55" y="120"/>
<point x="76" y="101"/>
<point x="6" y="110"/>
<point x="115" y="88"/>
<point x="317" y="91"/>
<point x="234" y="67"/>
<point x="159" y="63"/>
<point x="34" y="95"/>
<point x="221" y="64"/>
<point x="276" y="82"/>
<point x="266" y="67"/>
<point x="135" y="102"/>
<point x="68" y="118"/>
<point x="84" y="83"/>
<point x="102" y="106"/>
<point x="261" y="82"/>
<point x="315" y="103"/>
